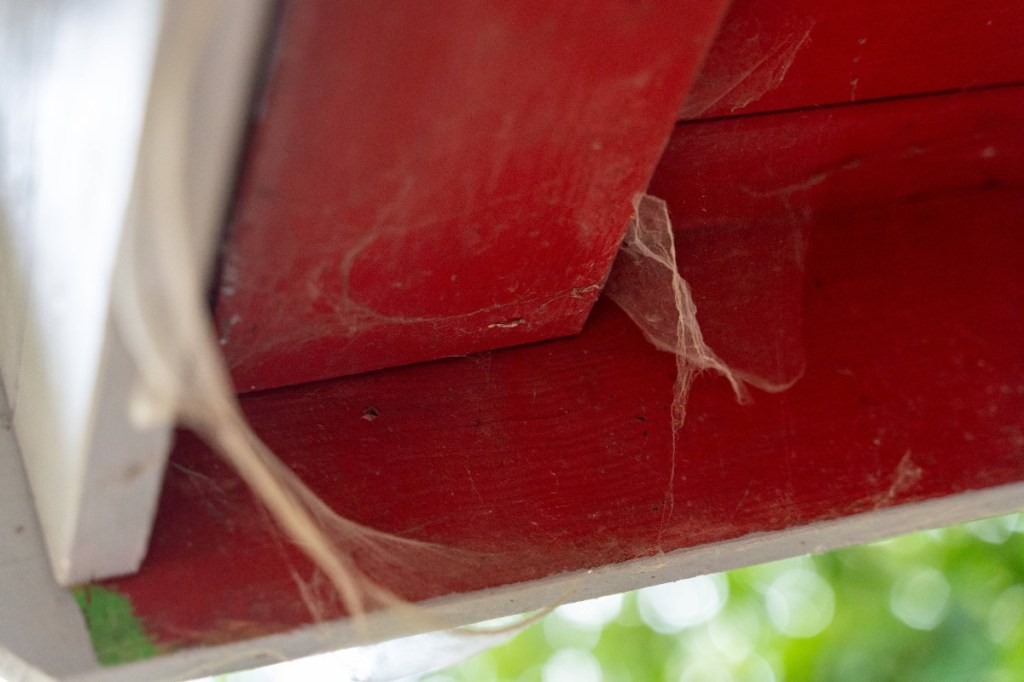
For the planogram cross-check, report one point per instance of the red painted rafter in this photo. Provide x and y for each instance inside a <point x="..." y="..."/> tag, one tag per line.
<point x="555" y="456"/>
<point x="789" y="54"/>
<point x="426" y="180"/>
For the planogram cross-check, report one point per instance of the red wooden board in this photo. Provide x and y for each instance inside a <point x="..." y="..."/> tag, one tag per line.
<point x="771" y="56"/>
<point x="426" y="180"/>
<point x="757" y="171"/>
<point x="556" y="456"/>
<point x="766" y="180"/>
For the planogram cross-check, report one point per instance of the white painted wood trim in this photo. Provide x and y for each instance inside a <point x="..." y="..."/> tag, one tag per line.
<point x="35" y="613"/>
<point x="465" y="609"/>
<point x="77" y="80"/>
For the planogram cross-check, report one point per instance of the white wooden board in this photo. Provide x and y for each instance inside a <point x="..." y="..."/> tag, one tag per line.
<point x="74" y="85"/>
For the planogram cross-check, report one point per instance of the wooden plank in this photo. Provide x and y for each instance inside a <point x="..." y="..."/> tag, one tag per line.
<point x="66" y="183"/>
<point x="35" y="611"/>
<point x="426" y="181"/>
<point x="842" y="160"/>
<point x="68" y="193"/>
<point x="772" y="56"/>
<point x="27" y="653"/>
<point x="544" y="462"/>
<point x="851" y="160"/>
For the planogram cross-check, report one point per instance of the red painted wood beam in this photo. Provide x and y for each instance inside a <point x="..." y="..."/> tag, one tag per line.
<point x="427" y="180"/>
<point x="556" y="456"/>
<point x="787" y="54"/>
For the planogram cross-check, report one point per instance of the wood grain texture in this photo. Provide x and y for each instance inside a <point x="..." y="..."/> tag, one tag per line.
<point x="431" y="180"/>
<point x="555" y="457"/>
<point x="772" y="56"/>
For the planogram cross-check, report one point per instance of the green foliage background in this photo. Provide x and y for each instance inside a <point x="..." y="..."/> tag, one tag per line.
<point x="938" y="606"/>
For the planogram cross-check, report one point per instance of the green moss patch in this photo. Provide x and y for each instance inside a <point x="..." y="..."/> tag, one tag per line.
<point x="118" y="636"/>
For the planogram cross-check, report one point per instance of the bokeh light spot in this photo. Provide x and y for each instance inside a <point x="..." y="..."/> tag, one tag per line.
<point x="571" y="665"/>
<point x="1007" y="614"/>
<point x="920" y="598"/>
<point x="706" y="670"/>
<point x="734" y="633"/>
<point x="755" y="669"/>
<point x="593" y="613"/>
<point x="800" y="603"/>
<point x="993" y="531"/>
<point x="673" y="607"/>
